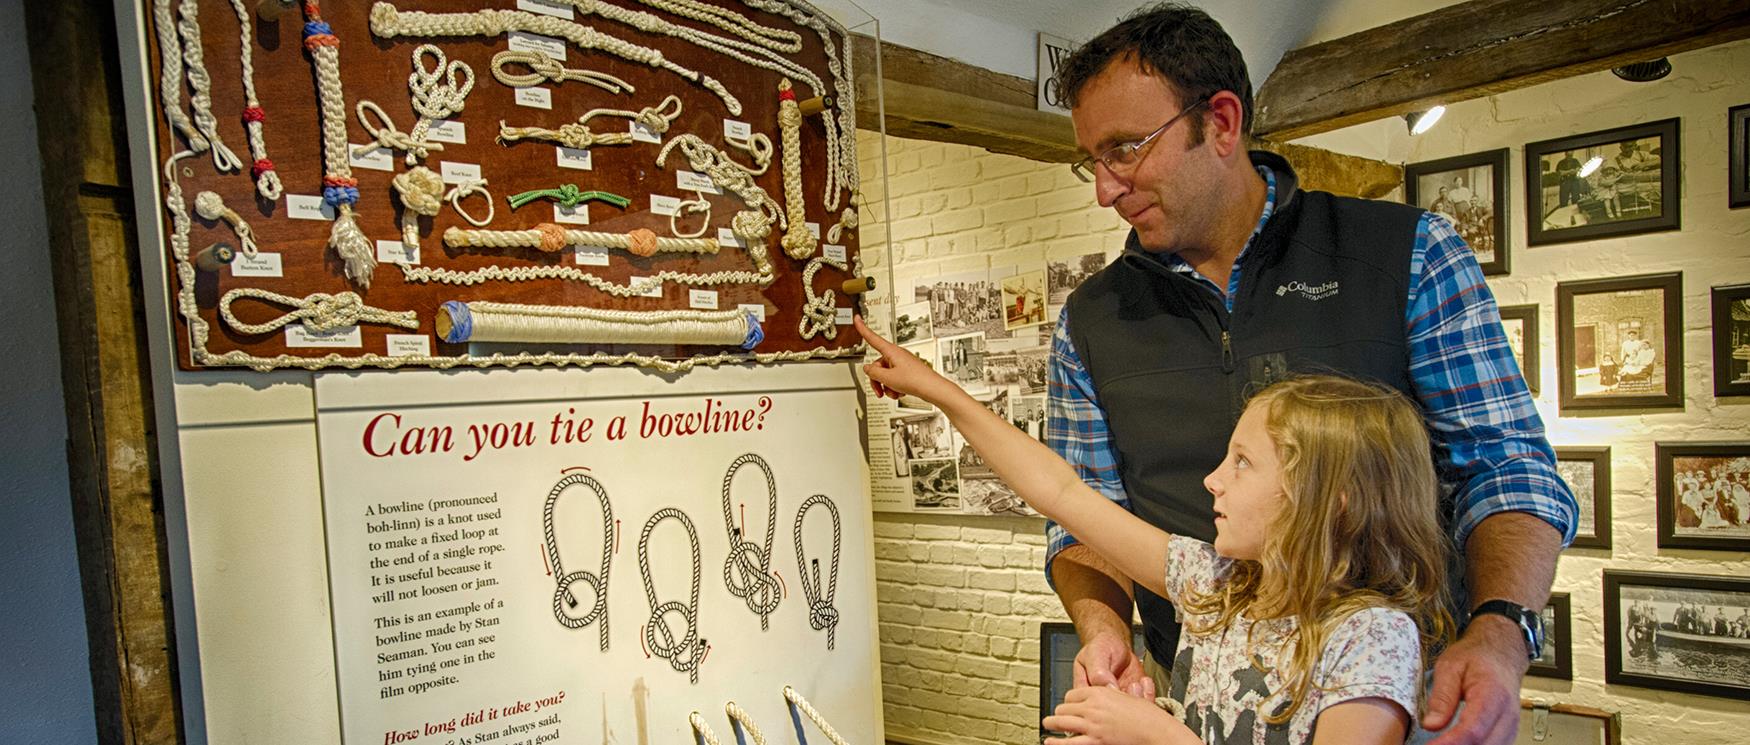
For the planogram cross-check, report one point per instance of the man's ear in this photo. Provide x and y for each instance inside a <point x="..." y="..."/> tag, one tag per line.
<point x="1224" y="123"/>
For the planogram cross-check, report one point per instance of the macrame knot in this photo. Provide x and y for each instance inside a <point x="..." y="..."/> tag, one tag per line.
<point x="209" y="205"/>
<point x="384" y="20"/>
<point x="421" y="189"/>
<point x="339" y="190"/>
<point x="641" y="241"/>
<point x="254" y="114"/>
<point x="553" y="237"/>
<point x="751" y="226"/>
<point x="260" y="166"/>
<point x="328" y="312"/>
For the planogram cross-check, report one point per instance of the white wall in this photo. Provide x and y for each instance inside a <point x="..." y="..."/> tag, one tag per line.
<point x="961" y="598"/>
<point x="45" y="692"/>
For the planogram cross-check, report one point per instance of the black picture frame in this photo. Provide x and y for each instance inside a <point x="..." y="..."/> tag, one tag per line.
<point x="1597" y="319"/>
<point x="1691" y="515"/>
<point x="1596" y="532"/>
<point x="1731" y="340"/>
<point x="1662" y="655"/>
<point x="1558" y="636"/>
<point x="1608" y="199"/>
<point x="1488" y="240"/>
<point x="1525" y="318"/>
<point x="1738" y="166"/>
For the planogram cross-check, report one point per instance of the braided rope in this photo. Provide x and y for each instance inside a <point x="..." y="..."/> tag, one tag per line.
<point x="798" y="242"/>
<point x="482" y="321"/>
<point x="685" y="654"/>
<point x="739" y="719"/>
<point x="747" y="572"/>
<point x="838" y="63"/>
<point x="495" y="273"/>
<point x="388" y="22"/>
<point x="751" y="225"/>
<point x="320" y="312"/>
<point x="467" y="189"/>
<point x="211" y="206"/>
<point x="170" y="75"/>
<point x="562" y="596"/>
<point x="339" y="188"/>
<point x="775" y="39"/>
<point x="819" y="312"/>
<point x="422" y="193"/>
<point x="200" y="98"/>
<point x="797" y="702"/>
<point x="578" y="134"/>
<point x="267" y="181"/>
<point x="543" y="69"/>
<point x="821" y="613"/>
<point x="702" y="730"/>
<point x="551" y="238"/>
<point x="437" y="94"/>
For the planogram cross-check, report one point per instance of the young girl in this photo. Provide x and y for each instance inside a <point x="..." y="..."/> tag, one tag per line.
<point x="1311" y="616"/>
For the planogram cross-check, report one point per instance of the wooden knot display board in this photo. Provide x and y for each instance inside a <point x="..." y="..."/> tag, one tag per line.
<point x="564" y="301"/>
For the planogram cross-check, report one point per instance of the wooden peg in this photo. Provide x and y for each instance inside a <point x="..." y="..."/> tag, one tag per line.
<point x="215" y="257"/>
<point x="812" y="106"/>
<point x="269" y="10"/>
<point x="858" y="285"/>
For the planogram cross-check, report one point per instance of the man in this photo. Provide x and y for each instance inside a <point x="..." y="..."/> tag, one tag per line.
<point x="1231" y="269"/>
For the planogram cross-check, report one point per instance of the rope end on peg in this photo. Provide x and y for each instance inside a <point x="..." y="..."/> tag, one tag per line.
<point x="858" y="285"/>
<point x="215" y="257"/>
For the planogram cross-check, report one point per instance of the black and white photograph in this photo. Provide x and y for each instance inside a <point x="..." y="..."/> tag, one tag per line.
<point x="1586" y="469"/>
<point x="902" y="450"/>
<point x="935" y="485"/>
<point x="927" y="435"/>
<point x="1678" y="632"/>
<point x="963" y="360"/>
<point x="1704" y="495"/>
<point x="911" y="323"/>
<point x="963" y="303"/>
<point x="981" y="492"/>
<point x="1467" y="190"/>
<point x="1615" y="182"/>
<point x="1731" y="329"/>
<point x="924" y="350"/>
<point x="1027" y="413"/>
<point x="1620" y="342"/>
<point x="1023" y="297"/>
<point x="1520" y="323"/>
<point x="1556" y="658"/>
<point x="1738" y="167"/>
<point x="1063" y="275"/>
<point x="1023" y="369"/>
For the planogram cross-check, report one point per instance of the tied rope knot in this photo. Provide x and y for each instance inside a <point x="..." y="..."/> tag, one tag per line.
<point x="438" y="91"/>
<point x="554" y="237"/>
<point x="320" y="312"/>
<point x="819" y="312"/>
<point x="421" y="190"/>
<point x="564" y="600"/>
<point x="687" y="652"/>
<point x="463" y="191"/>
<point x="544" y="69"/>
<point x="821" y="613"/>
<point x="210" y="206"/>
<point x="747" y="570"/>
<point x="641" y="241"/>
<point x="385" y="135"/>
<point x="751" y="225"/>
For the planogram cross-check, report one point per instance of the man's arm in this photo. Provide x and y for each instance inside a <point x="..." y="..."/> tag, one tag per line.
<point x="1095" y="595"/>
<point x="1512" y="513"/>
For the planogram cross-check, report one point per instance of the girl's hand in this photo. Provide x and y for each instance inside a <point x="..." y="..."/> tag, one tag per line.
<point x="899" y="372"/>
<point x="1107" y="716"/>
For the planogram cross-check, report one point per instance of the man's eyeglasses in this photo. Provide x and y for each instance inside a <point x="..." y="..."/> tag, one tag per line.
<point x="1125" y="155"/>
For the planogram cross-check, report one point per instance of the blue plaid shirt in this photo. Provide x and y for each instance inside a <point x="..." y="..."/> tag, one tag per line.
<point x="1480" y="412"/>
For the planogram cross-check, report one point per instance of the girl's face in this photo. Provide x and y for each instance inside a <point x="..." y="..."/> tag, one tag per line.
<point x="1247" y="487"/>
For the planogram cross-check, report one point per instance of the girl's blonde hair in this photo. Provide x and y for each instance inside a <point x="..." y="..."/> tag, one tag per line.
<point x="1359" y="527"/>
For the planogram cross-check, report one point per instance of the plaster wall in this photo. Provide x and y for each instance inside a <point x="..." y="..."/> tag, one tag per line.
<point x="960" y="598"/>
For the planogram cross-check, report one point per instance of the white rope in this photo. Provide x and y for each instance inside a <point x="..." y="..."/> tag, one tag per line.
<point x="211" y="206"/>
<point x="563" y="324"/>
<point x="819" y="312"/>
<point x="543" y="69"/>
<point x="738" y="717"/>
<point x="775" y="39"/>
<point x="688" y="207"/>
<point x="702" y="729"/>
<point x="798" y="243"/>
<point x="798" y="702"/>
<point x="751" y="225"/>
<point x="553" y="238"/>
<point x="170" y="75"/>
<point x="200" y="98"/>
<point x="339" y="189"/>
<point x="422" y="193"/>
<point x="388" y="22"/>
<point x="439" y="92"/>
<point x="577" y="134"/>
<point x="319" y="311"/>
<point x="423" y="274"/>
<point x="467" y="189"/>
<point x="385" y="135"/>
<point x="267" y="181"/>
<point x="838" y="62"/>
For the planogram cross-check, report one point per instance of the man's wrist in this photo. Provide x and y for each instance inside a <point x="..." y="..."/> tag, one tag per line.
<point x="1500" y="634"/>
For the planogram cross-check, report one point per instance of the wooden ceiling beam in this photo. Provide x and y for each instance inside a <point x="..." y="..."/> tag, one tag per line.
<point x="1476" y="49"/>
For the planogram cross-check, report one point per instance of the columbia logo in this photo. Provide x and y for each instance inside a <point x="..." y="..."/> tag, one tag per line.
<point x="1310" y="292"/>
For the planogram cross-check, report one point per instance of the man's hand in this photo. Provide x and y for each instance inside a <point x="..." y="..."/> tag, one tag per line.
<point x="1103" y="716"/>
<point x="1107" y="661"/>
<point x="1483" y="669"/>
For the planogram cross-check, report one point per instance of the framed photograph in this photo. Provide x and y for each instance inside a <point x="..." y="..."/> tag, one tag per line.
<point x="1620" y="342"/>
<point x="1520" y="323"/>
<point x="1556" y="660"/>
<point x="1586" y="470"/>
<point x="1677" y="632"/>
<point x="1731" y="340"/>
<point x="1616" y="182"/>
<point x="1704" y="495"/>
<point x="1738" y="168"/>
<point x="912" y="323"/>
<point x="1469" y="191"/>
<point x="1023" y="299"/>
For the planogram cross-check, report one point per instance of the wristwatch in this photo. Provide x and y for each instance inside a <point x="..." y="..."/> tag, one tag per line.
<point x="1530" y="622"/>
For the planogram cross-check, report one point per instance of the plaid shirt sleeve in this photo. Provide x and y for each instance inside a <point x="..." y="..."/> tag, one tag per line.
<point x="1075" y="426"/>
<point x="1488" y="437"/>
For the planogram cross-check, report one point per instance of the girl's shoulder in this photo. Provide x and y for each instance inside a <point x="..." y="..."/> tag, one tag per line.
<point x="1192" y="565"/>
<point x="1372" y="644"/>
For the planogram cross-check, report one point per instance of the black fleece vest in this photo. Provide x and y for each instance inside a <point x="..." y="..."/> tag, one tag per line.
<point x="1322" y="289"/>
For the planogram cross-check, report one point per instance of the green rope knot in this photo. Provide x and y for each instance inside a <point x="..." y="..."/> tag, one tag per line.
<point x="569" y="196"/>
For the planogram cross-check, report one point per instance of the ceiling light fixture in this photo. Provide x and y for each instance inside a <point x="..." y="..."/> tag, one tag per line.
<point x="1644" y="72"/>
<point x="1422" y="121"/>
